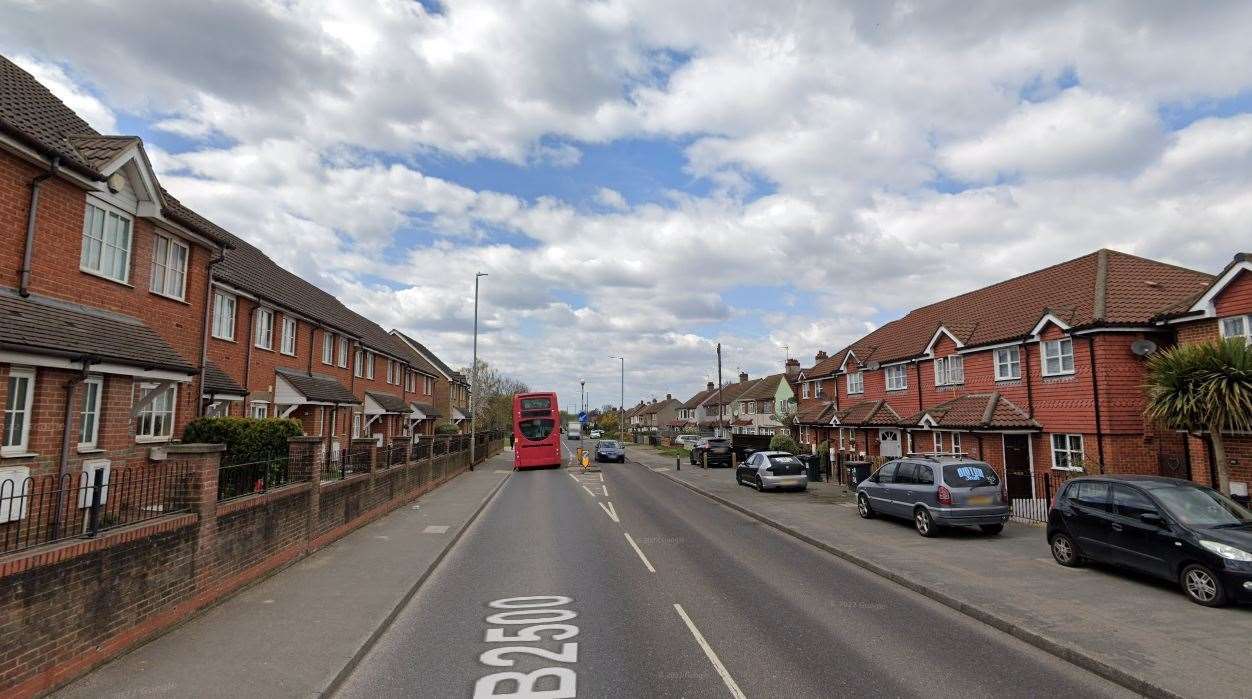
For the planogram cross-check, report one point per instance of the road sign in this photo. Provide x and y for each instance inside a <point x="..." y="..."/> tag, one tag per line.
<point x="582" y="417"/>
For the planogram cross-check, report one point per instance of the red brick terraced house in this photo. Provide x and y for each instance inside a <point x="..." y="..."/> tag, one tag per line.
<point x="451" y="388"/>
<point x="1222" y="309"/>
<point x="688" y="413"/>
<point x="1040" y="375"/>
<point x="103" y="281"/>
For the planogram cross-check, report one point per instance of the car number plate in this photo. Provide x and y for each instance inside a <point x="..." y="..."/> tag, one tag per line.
<point x="980" y="500"/>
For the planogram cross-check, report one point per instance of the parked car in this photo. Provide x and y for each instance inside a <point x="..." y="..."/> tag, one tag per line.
<point x="770" y="470"/>
<point x="1168" y="528"/>
<point x="596" y="434"/>
<point x="687" y="440"/>
<point x="712" y="452"/>
<point x="609" y="450"/>
<point x="936" y="492"/>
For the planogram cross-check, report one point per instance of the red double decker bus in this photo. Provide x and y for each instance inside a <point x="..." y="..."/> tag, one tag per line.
<point x="536" y="434"/>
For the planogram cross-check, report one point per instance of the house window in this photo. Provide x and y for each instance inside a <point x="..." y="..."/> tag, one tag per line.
<point x="106" y="244"/>
<point x="259" y="410"/>
<point x="1058" y="357"/>
<point x="410" y="382"/>
<point x="956" y="442"/>
<point x="1238" y="326"/>
<point x="264" y="330"/>
<point x="223" y="316"/>
<point x="328" y="348"/>
<point x="156" y="420"/>
<point x="358" y="425"/>
<point x="1008" y="363"/>
<point x="169" y="268"/>
<point x="343" y="353"/>
<point x="938" y="437"/>
<point x="17" y="405"/>
<point x="950" y="370"/>
<point x="856" y="383"/>
<point x="767" y="407"/>
<point x="289" y="335"/>
<point x="430" y="386"/>
<point x="804" y="390"/>
<point x="897" y="377"/>
<point x="369" y="365"/>
<point x="89" y="416"/>
<point x="1067" y="451"/>
<point x="358" y="364"/>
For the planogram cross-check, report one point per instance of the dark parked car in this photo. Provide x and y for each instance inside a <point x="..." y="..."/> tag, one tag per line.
<point x="770" y="470"/>
<point x="712" y="452"/>
<point x="935" y="492"/>
<point x="609" y="450"/>
<point x="1165" y="527"/>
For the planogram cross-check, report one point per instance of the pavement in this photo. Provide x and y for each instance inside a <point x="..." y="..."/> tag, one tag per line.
<point x="293" y="633"/>
<point x="1138" y="631"/>
<point x="619" y="583"/>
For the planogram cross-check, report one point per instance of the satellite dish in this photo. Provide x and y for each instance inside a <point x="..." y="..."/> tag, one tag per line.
<point x="872" y="366"/>
<point x="1143" y="348"/>
<point x="116" y="182"/>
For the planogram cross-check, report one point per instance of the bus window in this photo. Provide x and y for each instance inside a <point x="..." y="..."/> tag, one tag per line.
<point x="529" y="404"/>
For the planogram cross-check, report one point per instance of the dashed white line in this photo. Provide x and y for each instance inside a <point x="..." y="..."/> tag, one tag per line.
<point x="435" y="529"/>
<point x="606" y="490"/>
<point x="646" y="563"/>
<point x="708" y="650"/>
<point x="602" y="477"/>
<point x="610" y="511"/>
<point x="589" y="491"/>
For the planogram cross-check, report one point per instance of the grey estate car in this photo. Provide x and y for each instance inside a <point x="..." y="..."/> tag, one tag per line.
<point x="935" y="492"/>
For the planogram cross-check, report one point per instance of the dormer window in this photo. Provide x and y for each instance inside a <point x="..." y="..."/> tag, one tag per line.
<point x="856" y="383"/>
<point x="950" y="371"/>
<point x="1058" y="357"/>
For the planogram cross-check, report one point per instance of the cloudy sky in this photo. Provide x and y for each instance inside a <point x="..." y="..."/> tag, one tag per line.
<point x="648" y="178"/>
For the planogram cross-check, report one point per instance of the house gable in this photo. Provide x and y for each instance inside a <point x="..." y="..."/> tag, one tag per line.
<point x="944" y="342"/>
<point x="1235" y="296"/>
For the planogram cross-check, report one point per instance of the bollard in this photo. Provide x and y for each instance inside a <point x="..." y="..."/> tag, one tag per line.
<point x="678" y="463"/>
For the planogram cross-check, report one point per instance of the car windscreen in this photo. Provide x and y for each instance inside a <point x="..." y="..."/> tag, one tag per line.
<point x="1202" y="507"/>
<point x="608" y="445"/>
<point x="785" y="466"/>
<point x="536" y="429"/>
<point x="969" y="475"/>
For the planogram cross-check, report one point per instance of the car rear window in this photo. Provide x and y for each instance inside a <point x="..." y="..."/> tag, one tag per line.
<point x="785" y="465"/>
<point x="969" y="475"/>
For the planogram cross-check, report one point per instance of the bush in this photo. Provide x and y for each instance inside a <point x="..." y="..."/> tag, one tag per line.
<point x="447" y="428"/>
<point x="784" y="442"/>
<point x="246" y="439"/>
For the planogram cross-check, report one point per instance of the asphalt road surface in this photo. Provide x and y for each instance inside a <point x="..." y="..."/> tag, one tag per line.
<point x="620" y="583"/>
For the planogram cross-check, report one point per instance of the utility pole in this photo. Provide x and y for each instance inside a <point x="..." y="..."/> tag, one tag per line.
<point x="582" y="395"/>
<point x="621" y="407"/>
<point x="721" y="429"/>
<point x="473" y="401"/>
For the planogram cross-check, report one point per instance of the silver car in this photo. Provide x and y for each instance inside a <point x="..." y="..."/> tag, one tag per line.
<point x="770" y="470"/>
<point x="935" y="492"/>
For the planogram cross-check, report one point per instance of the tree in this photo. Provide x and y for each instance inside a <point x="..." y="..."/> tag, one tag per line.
<point x="1203" y="387"/>
<point x="783" y="442"/>
<point x="608" y="421"/>
<point x="492" y="405"/>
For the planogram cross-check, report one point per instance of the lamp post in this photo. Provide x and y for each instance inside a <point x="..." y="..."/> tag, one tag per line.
<point x="474" y="376"/>
<point x="621" y="407"/>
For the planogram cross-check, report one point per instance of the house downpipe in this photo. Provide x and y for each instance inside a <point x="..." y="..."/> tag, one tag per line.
<point x="63" y="471"/>
<point x="32" y="219"/>
<point x="1095" y="395"/>
<point x="204" y="335"/>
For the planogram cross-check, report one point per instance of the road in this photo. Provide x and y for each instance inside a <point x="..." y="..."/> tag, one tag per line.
<point x="652" y="590"/>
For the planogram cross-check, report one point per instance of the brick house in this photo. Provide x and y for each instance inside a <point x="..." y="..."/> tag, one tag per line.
<point x="1223" y="309"/>
<point x="659" y="413"/>
<point x="753" y="409"/>
<point x="103" y="280"/>
<point x="451" y="389"/>
<point x="1037" y="375"/>
<point x="720" y="407"/>
<point x="689" y="413"/>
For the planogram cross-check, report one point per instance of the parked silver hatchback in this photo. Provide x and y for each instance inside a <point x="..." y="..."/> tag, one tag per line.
<point x="934" y="492"/>
<point x="770" y="470"/>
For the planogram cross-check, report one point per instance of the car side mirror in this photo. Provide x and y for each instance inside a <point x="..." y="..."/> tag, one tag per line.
<point x="1152" y="518"/>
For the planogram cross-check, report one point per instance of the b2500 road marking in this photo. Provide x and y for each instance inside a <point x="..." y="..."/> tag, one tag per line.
<point x="539" y="621"/>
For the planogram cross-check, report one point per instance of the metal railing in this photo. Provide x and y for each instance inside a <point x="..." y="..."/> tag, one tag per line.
<point x="238" y="480"/>
<point x="40" y="510"/>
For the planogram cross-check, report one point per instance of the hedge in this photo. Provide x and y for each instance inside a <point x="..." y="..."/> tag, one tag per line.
<point x="784" y="442"/>
<point x="246" y="439"/>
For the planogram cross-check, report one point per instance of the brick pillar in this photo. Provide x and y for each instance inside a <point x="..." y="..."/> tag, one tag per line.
<point x="370" y="445"/>
<point x="199" y="492"/>
<point x="306" y="454"/>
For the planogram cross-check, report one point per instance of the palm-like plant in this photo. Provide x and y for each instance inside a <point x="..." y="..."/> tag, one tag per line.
<point x="1203" y="387"/>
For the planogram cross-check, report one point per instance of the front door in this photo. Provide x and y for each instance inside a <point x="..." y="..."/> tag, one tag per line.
<point x="1017" y="466"/>
<point x="889" y="443"/>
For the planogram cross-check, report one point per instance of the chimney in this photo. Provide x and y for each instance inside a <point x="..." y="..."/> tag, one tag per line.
<point x="793" y="368"/>
<point x="743" y="377"/>
<point x="821" y="354"/>
<point x="669" y="396"/>
<point x="708" y="386"/>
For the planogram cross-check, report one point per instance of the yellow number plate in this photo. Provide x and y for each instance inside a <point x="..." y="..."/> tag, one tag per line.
<point x="980" y="500"/>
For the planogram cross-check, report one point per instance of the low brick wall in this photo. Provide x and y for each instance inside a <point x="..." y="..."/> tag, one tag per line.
<point x="68" y="607"/>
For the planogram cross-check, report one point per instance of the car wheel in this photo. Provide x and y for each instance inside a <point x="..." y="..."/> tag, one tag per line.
<point x="1065" y="551"/>
<point x="621" y="460"/>
<point x="924" y="523"/>
<point x="991" y="529"/>
<point x="738" y="479"/>
<point x="863" y="508"/>
<point x="1202" y="586"/>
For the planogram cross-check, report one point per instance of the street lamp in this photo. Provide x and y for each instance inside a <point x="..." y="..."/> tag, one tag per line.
<point x="621" y="407"/>
<point x="474" y="374"/>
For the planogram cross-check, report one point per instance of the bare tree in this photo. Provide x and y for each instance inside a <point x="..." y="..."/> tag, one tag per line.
<point x="493" y="403"/>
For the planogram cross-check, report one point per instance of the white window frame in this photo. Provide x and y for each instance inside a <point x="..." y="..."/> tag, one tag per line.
<point x="358" y="364"/>
<point x="430" y="386"/>
<point x="950" y="370"/>
<point x="1244" y="321"/>
<point x="343" y="352"/>
<point x="859" y="386"/>
<point x="98" y="268"/>
<point x="1060" y="355"/>
<point x="804" y="389"/>
<point x="223" y="327"/>
<point x="897" y="377"/>
<point x="22" y="445"/>
<point x="817" y="388"/>
<point x="328" y="348"/>
<point x="290" y="328"/>
<point x="151" y="410"/>
<point x="956" y="442"/>
<point x="358" y="425"/>
<point x="264" y="333"/>
<point x="369" y="365"/>
<point x="264" y="410"/>
<point x="1008" y="363"/>
<point x="167" y="267"/>
<point x="90" y="441"/>
<point x="410" y="381"/>
<point x="1068" y="451"/>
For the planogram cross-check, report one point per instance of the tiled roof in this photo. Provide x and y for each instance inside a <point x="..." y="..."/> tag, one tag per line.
<point x="318" y="387"/>
<point x="868" y="413"/>
<point x="427" y="409"/>
<point x="412" y="356"/>
<point x="977" y="410"/>
<point x="388" y="402"/>
<point x="434" y="359"/>
<point x="98" y="151"/>
<point x="698" y="398"/>
<point x="763" y="389"/>
<point x="48" y="326"/>
<point x="730" y="392"/>
<point x="218" y="382"/>
<point x="1105" y="287"/>
<point x="1181" y="307"/>
<point x="814" y="413"/>
<point x="30" y="111"/>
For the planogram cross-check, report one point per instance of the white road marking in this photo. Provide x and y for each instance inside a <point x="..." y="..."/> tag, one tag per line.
<point x="663" y="468"/>
<point x="500" y="470"/>
<point x="573" y="476"/>
<point x="589" y="491"/>
<point x="646" y="563"/>
<point x="601" y="477"/>
<point x="708" y="650"/>
<point x="606" y="490"/>
<point x="436" y="529"/>
<point x="610" y="511"/>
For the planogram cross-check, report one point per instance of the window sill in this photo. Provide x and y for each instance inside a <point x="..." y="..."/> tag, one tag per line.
<point x="167" y="297"/>
<point x="262" y="347"/>
<point x="18" y="455"/>
<point x="1070" y="469"/>
<point x="152" y="440"/>
<point x="223" y="339"/>
<point x="1059" y="374"/>
<point x="1008" y="379"/>
<point x="288" y="354"/>
<point x="90" y="450"/>
<point x="105" y="277"/>
<point x="897" y="390"/>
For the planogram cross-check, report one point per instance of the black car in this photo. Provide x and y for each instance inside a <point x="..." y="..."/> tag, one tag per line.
<point x="1165" y="527"/>
<point x="712" y="452"/>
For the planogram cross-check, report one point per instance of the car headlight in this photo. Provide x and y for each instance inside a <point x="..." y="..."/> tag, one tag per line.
<point x="1227" y="551"/>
